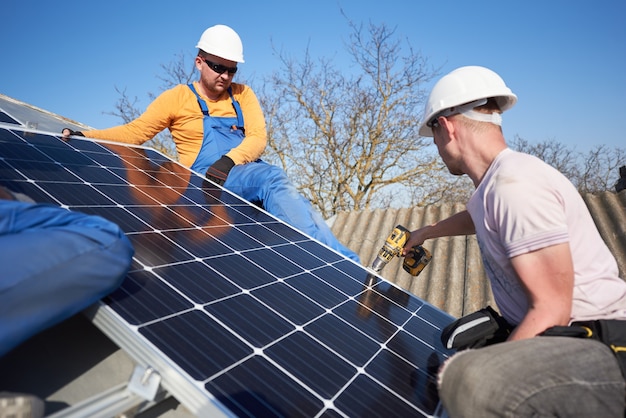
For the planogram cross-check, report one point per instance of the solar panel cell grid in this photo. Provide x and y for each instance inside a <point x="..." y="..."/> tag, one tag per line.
<point x="249" y="313"/>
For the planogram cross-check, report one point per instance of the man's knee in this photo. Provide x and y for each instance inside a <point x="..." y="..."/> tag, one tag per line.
<point x="469" y="381"/>
<point x="277" y="175"/>
<point x="460" y="372"/>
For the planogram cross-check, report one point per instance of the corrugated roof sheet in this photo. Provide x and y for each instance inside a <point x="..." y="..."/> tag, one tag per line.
<point x="455" y="280"/>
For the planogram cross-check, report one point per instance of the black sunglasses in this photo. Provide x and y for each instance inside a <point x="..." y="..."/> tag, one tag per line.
<point x="219" y="68"/>
<point x="434" y="122"/>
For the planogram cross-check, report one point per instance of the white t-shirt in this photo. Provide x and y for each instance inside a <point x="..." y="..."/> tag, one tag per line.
<point x="521" y="205"/>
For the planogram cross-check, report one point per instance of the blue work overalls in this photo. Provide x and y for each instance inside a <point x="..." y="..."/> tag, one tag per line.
<point x="259" y="181"/>
<point x="53" y="264"/>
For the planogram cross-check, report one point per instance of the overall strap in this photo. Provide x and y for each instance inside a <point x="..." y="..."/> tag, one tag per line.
<point x="237" y="108"/>
<point x="203" y="107"/>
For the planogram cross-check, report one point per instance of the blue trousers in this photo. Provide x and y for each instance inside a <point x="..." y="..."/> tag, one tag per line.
<point x="266" y="183"/>
<point x="53" y="264"/>
<point x="536" y="377"/>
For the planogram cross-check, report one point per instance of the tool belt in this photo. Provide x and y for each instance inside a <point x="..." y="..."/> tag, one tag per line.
<point x="478" y="329"/>
<point x="611" y="332"/>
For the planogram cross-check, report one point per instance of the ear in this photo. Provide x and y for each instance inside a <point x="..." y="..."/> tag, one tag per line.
<point x="198" y="62"/>
<point x="446" y="123"/>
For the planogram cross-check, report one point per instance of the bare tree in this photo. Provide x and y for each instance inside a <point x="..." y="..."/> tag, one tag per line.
<point x="177" y="71"/>
<point x="600" y="168"/>
<point x="591" y="172"/>
<point x="349" y="137"/>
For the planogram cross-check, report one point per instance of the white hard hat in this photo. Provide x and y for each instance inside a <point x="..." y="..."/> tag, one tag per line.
<point x="223" y="42"/>
<point x="465" y="85"/>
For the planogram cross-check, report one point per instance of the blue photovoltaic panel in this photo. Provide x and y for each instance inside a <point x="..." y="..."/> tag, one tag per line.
<point x="239" y="312"/>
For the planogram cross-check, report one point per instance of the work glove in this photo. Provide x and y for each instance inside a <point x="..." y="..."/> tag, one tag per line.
<point x="478" y="329"/>
<point x="219" y="170"/>
<point x="71" y="133"/>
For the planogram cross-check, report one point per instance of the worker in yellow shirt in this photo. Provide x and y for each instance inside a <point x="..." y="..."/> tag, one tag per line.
<point x="219" y="130"/>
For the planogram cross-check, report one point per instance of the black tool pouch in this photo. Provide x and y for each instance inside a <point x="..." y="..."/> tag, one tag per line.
<point x="478" y="329"/>
<point x="611" y="332"/>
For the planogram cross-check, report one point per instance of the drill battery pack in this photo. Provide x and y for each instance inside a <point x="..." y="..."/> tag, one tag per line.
<point x="416" y="259"/>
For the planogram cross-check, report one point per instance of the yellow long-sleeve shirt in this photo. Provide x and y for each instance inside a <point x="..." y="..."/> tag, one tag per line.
<point x="177" y="109"/>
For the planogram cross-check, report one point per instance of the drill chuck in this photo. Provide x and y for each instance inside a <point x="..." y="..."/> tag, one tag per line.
<point x="391" y="248"/>
<point x="378" y="264"/>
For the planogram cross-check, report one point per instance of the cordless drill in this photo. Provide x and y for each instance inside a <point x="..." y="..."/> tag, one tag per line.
<point x="415" y="260"/>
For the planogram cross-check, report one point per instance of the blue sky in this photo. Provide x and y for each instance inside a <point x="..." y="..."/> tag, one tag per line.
<point x="566" y="60"/>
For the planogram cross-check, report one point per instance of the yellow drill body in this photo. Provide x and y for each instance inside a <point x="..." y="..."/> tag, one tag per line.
<point x="391" y="248"/>
<point x="415" y="260"/>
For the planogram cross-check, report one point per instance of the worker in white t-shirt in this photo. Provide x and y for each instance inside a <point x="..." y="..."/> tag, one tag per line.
<point x="554" y="280"/>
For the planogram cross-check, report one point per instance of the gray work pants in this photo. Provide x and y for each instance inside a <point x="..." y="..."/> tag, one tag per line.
<point x="538" y="377"/>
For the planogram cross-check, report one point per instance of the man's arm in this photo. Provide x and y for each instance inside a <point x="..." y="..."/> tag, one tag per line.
<point x="156" y="118"/>
<point x="458" y="224"/>
<point x="548" y="278"/>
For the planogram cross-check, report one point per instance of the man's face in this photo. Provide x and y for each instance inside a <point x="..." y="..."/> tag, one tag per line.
<point x="441" y="138"/>
<point x="216" y="74"/>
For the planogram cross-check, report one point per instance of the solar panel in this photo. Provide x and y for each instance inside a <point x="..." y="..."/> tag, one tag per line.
<point x="240" y="314"/>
